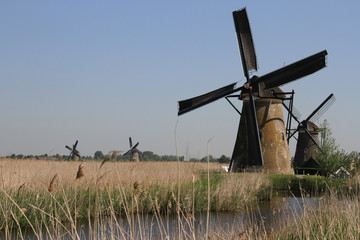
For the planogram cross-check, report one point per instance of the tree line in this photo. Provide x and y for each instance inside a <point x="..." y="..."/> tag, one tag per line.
<point x="145" y="156"/>
<point x="150" y="156"/>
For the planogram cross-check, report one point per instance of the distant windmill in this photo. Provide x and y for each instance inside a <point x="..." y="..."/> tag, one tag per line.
<point x="133" y="151"/>
<point x="308" y="139"/>
<point x="114" y="154"/>
<point x="74" y="153"/>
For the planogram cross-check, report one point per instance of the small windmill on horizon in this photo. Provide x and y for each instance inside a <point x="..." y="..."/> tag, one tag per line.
<point x="134" y="152"/>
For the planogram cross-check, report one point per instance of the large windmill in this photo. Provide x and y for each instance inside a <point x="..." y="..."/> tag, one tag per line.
<point x="134" y="152"/>
<point x="261" y="139"/>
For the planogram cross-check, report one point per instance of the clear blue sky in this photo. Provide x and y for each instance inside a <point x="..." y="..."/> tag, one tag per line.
<point x="101" y="71"/>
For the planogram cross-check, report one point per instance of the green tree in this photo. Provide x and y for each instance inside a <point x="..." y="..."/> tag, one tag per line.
<point x="98" y="155"/>
<point x="194" y="160"/>
<point x="354" y="159"/>
<point x="211" y="159"/>
<point x="224" y="159"/>
<point x="331" y="159"/>
<point x="149" y="156"/>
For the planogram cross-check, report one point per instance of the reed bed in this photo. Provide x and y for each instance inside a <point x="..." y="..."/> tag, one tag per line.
<point x="37" y="173"/>
<point x="55" y="196"/>
<point x="336" y="216"/>
<point x="111" y="200"/>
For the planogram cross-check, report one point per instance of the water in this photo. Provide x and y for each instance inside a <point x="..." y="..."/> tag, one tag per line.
<point x="265" y="217"/>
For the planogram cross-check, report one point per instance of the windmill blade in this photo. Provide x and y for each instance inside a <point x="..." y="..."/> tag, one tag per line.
<point x="254" y="145"/>
<point x="312" y="139"/>
<point x="127" y="152"/>
<point x="245" y="41"/>
<point x="321" y="109"/>
<point x="293" y="71"/>
<point x="294" y="111"/>
<point x="239" y="155"/>
<point x="75" y="144"/>
<point x="70" y="156"/>
<point x="293" y="116"/>
<point x="292" y="133"/>
<point x="236" y="155"/>
<point x="130" y="142"/>
<point x="291" y="113"/>
<point x="196" y="102"/>
<point x="68" y="147"/>
<point x="77" y="154"/>
<point x="134" y="146"/>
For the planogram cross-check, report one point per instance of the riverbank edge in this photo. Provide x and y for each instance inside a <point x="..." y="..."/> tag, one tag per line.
<point x="228" y="192"/>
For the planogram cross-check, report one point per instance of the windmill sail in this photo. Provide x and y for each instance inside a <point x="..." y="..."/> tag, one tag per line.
<point x="245" y="41"/>
<point x="294" y="71"/>
<point x="321" y="109"/>
<point x="193" y="103"/>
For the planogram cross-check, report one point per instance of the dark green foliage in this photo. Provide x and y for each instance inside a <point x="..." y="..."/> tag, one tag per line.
<point x="224" y="159"/>
<point x="211" y="159"/>
<point x="333" y="158"/>
<point x="98" y="155"/>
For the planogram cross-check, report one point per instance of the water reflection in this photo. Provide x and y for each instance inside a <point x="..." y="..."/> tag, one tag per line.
<point x="265" y="217"/>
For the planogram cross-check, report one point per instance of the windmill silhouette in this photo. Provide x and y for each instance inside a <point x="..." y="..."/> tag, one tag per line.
<point x="74" y="153"/>
<point x="261" y="141"/>
<point x="134" y="152"/>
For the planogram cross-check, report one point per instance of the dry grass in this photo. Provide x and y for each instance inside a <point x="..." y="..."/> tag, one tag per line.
<point x="236" y="190"/>
<point x="37" y="173"/>
<point x="335" y="217"/>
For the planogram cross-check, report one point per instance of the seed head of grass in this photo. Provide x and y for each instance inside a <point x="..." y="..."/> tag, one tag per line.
<point x="136" y="185"/>
<point x="104" y="161"/>
<point x="18" y="191"/>
<point x="51" y="185"/>
<point x="80" y="173"/>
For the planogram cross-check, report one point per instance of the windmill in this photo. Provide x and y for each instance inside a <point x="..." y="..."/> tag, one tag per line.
<point x="74" y="153"/>
<point x="114" y="154"/>
<point x="308" y="137"/>
<point x="260" y="141"/>
<point x="134" y="152"/>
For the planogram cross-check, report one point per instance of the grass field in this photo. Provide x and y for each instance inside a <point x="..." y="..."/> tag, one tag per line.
<point x="37" y="174"/>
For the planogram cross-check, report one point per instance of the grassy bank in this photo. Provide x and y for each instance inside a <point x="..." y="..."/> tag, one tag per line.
<point x="315" y="185"/>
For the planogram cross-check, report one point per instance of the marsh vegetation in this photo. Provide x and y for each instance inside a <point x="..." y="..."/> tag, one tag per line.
<point x="73" y="200"/>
